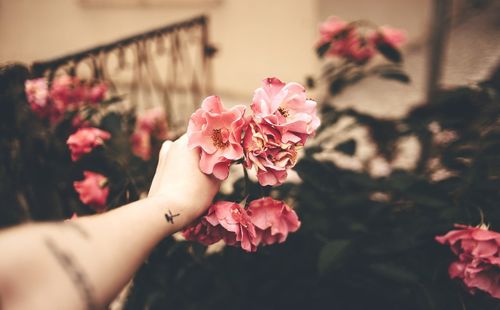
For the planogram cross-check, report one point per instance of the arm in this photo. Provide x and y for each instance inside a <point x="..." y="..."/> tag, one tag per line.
<point x="84" y="263"/>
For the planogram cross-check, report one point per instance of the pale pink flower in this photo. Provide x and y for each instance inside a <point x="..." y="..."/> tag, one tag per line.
<point x="216" y="131"/>
<point x="478" y="253"/>
<point x="265" y="151"/>
<point x="37" y="93"/>
<point x="97" y="93"/>
<point x="85" y="140"/>
<point x="286" y="107"/>
<point x="93" y="190"/>
<point x="273" y="220"/>
<point x="334" y="30"/>
<point x="153" y="121"/>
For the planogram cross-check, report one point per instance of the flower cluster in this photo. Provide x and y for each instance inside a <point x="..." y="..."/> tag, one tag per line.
<point x="478" y="252"/>
<point x="351" y="41"/>
<point x="283" y="118"/>
<point x="266" y="221"/>
<point x="267" y="141"/>
<point x="150" y="124"/>
<point x="70" y="94"/>
<point x="66" y="93"/>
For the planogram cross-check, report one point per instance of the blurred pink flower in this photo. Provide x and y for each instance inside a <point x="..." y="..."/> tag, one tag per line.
<point x="152" y="123"/>
<point x="395" y="37"/>
<point x="334" y="30"/>
<point x="358" y="48"/>
<point x="285" y="106"/>
<point x="273" y="220"/>
<point x="67" y="91"/>
<point x="37" y="93"/>
<point x="93" y="190"/>
<point x="217" y="132"/>
<point x="85" y="140"/>
<point x="141" y="144"/>
<point x="97" y="93"/>
<point x="478" y="261"/>
<point x="264" y="150"/>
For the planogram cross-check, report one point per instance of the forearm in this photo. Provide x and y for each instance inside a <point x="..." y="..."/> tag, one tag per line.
<point x="85" y="262"/>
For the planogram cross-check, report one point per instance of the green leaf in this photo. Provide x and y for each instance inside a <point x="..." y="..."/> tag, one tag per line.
<point x="396" y="75"/>
<point x="333" y="254"/>
<point x="336" y="86"/>
<point x="389" y="52"/>
<point x="322" y="49"/>
<point x="348" y="147"/>
<point x="394" y="273"/>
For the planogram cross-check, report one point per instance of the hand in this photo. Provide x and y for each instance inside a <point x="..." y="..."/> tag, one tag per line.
<point x="179" y="180"/>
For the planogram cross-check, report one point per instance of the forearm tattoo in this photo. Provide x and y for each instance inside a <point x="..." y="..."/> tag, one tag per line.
<point x="75" y="272"/>
<point x="170" y="217"/>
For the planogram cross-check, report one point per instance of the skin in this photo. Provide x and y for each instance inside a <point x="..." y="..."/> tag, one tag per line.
<point x="84" y="263"/>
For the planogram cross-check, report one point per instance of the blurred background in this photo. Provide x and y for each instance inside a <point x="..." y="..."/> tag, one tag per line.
<point x="258" y="38"/>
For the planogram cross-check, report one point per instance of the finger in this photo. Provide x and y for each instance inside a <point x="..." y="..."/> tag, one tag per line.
<point x="155" y="184"/>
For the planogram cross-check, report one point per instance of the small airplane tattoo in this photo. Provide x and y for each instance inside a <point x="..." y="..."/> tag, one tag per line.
<point x="170" y="217"/>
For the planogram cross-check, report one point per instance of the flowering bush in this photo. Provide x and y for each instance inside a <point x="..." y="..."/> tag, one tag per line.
<point x="268" y="140"/>
<point x="113" y="150"/>
<point x="350" y="48"/>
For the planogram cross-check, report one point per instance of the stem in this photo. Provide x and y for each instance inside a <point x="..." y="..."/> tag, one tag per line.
<point x="246" y="190"/>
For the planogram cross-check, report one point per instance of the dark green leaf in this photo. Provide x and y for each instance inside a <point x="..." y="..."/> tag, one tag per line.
<point x="322" y="49"/>
<point x="336" y="86"/>
<point x="333" y="254"/>
<point x="396" y="75"/>
<point x="389" y="52"/>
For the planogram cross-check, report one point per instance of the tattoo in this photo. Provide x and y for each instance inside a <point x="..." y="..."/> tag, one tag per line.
<point x="170" y="217"/>
<point x="75" y="272"/>
<point x="77" y="228"/>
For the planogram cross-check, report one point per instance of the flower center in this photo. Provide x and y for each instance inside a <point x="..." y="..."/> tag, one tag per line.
<point x="219" y="138"/>
<point x="283" y="111"/>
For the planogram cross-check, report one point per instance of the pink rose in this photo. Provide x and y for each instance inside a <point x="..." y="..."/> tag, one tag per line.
<point x="141" y="144"/>
<point x="85" y="140"/>
<point x="285" y="106"/>
<point x="203" y="232"/>
<point x="265" y="150"/>
<point x="93" y="190"/>
<point x="153" y="121"/>
<point x="97" y="93"/>
<point x="358" y="48"/>
<point x="478" y="261"/>
<point x="67" y="91"/>
<point x="234" y="219"/>
<point x="273" y="220"/>
<point x="217" y="132"/>
<point x="37" y="93"/>
<point x="333" y="30"/>
<point x="228" y="221"/>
